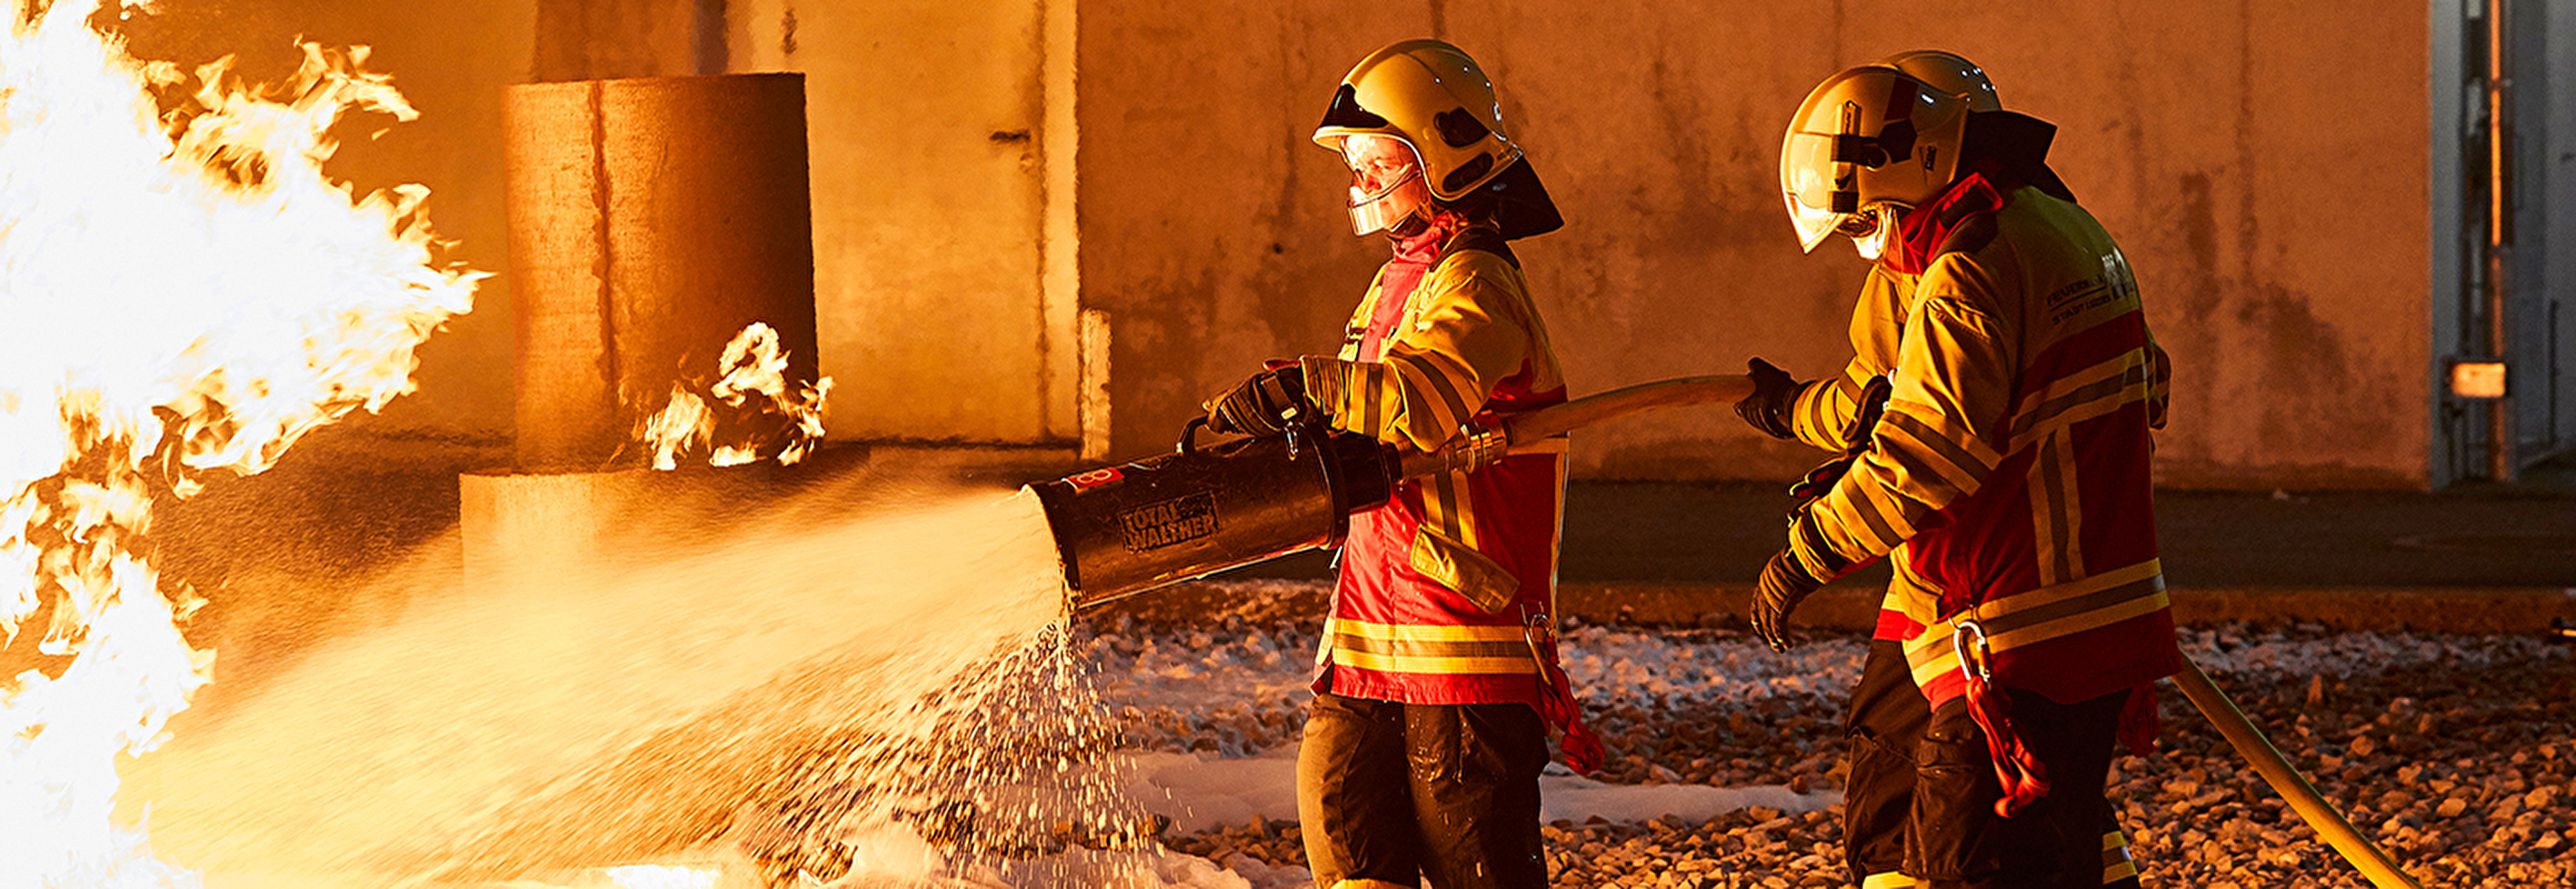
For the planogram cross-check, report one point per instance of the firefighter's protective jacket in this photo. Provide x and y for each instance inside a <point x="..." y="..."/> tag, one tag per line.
<point x="1446" y="593"/>
<point x="2009" y="481"/>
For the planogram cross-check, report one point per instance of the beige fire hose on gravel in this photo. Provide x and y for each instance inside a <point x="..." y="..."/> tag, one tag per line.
<point x="2285" y="780"/>
<point x="1522" y="432"/>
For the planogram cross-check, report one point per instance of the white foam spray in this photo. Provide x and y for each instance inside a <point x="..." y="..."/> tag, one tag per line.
<point x="852" y="687"/>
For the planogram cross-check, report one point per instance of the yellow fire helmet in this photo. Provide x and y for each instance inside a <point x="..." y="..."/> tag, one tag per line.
<point x="1435" y="98"/>
<point x="1949" y="73"/>
<point x="1869" y="141"/>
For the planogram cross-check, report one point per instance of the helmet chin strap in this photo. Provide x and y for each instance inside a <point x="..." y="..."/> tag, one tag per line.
<point x="1881" y="240"/>
<point x="1409" y="226"/>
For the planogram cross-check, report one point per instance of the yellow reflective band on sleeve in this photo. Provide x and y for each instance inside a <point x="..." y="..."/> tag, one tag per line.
<point x="2114" y="841"/>
<point x="1943" y="469"/>
<point x="1372" y="399"/>
<point x="1433" y="405"/>
<point x="1889" y="880"/>
<point x="1822" y="409"/>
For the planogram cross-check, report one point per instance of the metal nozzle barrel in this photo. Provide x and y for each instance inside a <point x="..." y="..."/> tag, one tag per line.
<point x="1124" y="530"/>
<point x="1127" y="529"/>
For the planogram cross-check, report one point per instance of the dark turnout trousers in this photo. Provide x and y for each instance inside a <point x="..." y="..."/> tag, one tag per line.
<point x="1391" y="793"/>
<point x="1920" y="808"/>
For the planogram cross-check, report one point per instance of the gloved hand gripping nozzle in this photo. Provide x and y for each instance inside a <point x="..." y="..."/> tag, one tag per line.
<point x="1272" y="402"/>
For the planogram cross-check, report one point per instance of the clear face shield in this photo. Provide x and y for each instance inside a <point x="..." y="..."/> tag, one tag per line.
<point x="1807" y="171"/>
<point x="1807" y="162"/>
<point x="1386" y="181"/>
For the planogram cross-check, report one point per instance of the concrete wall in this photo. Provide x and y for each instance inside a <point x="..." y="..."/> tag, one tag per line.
<point x="2549" y="120"/>
<point x="2271" y="192"/>
<point x="2280" y="202"/>
<point x="450" y="59"/>
<point x="931" y="160"/>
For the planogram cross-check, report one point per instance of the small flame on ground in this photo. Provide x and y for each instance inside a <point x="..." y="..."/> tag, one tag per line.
<point x="766" y="413"/>
<point x="179" y="293"/>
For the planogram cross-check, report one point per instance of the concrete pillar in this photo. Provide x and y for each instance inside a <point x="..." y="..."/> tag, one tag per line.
<point x="650" y="221"/>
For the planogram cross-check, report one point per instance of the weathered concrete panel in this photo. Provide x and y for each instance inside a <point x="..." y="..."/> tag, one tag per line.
<point x="926" y="119"/>
<point x="2272" y="194"/>
<point x="612" y="39"/>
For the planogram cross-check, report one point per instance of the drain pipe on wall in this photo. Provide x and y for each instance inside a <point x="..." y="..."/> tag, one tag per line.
<point x="2499" y="136"/>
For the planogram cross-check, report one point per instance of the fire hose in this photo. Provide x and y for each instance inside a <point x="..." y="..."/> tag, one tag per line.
<point x="1134" y="528"/>
<point x="2267" y="761"/>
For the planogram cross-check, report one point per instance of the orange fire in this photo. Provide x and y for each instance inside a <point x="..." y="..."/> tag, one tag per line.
<point x="181" y="291"/>
<point x="765" y="415"/>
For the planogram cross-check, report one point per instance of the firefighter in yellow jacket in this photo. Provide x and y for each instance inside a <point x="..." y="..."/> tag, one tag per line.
<point x="1438" y="676"/>
<point x="2005" y="477"/>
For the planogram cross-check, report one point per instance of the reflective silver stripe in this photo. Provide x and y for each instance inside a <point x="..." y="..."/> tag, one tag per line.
<point x="2071" y="616"/>
<point x="1969" y="470"/>
<point x="1430" y="388"/>
<point x="1420" y="648"/>
<point x="1874" y="515"/>
<point x="1444" y="505"/>
<point x="2085" y="402"/>
<point x="2049" y="489"/>
<point x="1373" y="394"/>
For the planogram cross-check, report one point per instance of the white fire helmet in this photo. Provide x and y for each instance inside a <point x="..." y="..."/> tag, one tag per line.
<point x="1868" y="143"/>
<point x="1433" y="98"/>
<point x="1949" y="73"/>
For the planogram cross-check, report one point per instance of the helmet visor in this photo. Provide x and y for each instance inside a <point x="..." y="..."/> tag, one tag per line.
<point x="1386" y="181"/>
<point x="1806" y="179"/>
<point x="1387" y="208"/>
<point x="1813" y="225"/>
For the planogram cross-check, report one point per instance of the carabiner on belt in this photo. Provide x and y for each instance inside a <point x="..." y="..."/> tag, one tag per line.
<point x="1979" y="665"/>
<point x="1535" y="625"/>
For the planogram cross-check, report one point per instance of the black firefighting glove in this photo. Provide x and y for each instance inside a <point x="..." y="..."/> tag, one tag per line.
<point x="1858" y="437"/>
<point x="1774" y="395"/>
<point x="1265" y="404"/>
<point x="1784" y="584"/>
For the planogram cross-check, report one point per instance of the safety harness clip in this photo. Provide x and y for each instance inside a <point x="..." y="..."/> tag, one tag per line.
<point x="1980" y="664"/>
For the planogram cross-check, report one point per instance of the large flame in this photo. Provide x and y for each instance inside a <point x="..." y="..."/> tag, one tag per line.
<point x="179" y="293"/>
<point x="766" y="413"/>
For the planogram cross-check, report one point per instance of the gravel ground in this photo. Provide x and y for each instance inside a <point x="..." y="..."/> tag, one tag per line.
<point x="2456" y="753"/>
